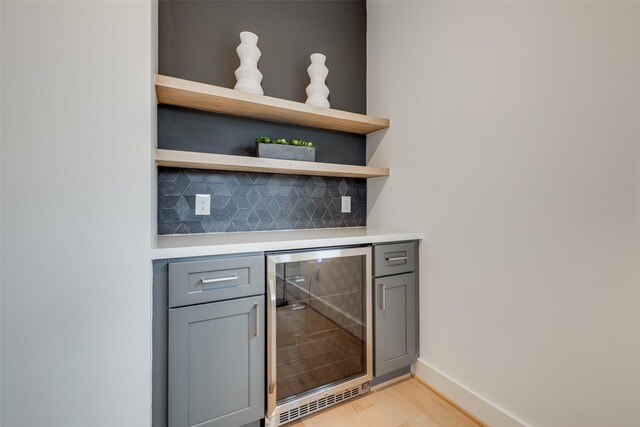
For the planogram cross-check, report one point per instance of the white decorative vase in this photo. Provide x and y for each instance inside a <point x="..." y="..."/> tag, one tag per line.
<point x="248" y="77"/>
<point x="317" y="91"/>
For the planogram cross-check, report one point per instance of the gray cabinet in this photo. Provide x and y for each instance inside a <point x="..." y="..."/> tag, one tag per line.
<point x="216" y="363"/>
<point x="395" y="308"/>
<point x="395" y="322"/>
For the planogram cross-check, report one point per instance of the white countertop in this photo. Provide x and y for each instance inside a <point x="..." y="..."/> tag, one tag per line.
<point x="259" y="241"/>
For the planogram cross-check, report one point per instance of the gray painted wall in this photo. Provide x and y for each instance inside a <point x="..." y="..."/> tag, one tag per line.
<point x="77" y="130"/>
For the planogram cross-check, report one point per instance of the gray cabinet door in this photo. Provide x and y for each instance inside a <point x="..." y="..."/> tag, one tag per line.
<point x="395" y="323"/>
<point x="216" y="363"/>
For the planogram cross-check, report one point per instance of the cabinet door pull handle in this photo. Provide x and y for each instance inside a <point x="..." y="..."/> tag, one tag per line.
<point x="257" y="320"/>
<point x="219" y="279"/>
<point x="383" y="296"/>
<point x="396" y="258"/>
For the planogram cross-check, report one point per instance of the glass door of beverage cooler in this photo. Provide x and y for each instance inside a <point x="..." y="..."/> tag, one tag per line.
<point x="319" y="323"/>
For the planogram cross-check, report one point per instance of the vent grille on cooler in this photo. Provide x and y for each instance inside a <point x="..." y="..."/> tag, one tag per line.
<point x="317" y="405"/>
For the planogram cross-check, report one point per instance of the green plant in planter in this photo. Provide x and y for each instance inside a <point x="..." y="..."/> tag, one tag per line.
<point x="263" y="140"/>
<point x="301" y="143"/>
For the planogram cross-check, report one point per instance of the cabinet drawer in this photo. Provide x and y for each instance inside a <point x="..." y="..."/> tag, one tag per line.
<point x="394" y="259"/>
<point x="195" y="282"/>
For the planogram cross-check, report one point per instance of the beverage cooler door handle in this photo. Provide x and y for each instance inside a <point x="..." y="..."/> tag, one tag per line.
<point x="271" y="338"/>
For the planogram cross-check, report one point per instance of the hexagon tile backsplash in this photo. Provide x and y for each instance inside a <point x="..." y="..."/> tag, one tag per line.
<point x="255" y="201"/>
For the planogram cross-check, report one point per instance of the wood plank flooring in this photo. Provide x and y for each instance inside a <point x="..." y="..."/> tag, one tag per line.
<point x="404" y="404"/>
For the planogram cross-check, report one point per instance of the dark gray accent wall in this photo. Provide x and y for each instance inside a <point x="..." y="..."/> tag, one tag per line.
<point x="198" y="40"/>
<point x="256" y="202"/>
<point x="192" y="130"/>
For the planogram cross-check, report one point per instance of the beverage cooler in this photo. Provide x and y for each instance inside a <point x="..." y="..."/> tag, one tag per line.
<point x="319" y="330"/>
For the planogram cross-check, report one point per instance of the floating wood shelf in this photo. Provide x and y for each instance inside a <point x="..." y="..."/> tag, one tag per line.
<point x="200" y="96"/>
<point x="189" y="159"/>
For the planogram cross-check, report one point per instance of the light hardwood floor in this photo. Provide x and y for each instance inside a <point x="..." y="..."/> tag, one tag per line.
<point x="404" y="404"/>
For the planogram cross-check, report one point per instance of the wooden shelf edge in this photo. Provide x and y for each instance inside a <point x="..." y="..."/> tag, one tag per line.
<point x="200" y="96"/>
<point x="193" y="160"/>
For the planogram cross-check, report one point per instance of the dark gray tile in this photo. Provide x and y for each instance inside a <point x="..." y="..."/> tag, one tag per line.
<point x="263" y="226"/>
<point x="343" y="187"/>
<point x="284" y="202"/>
<point x="300" y="214"/>
<point x="243" y="178"/>
<point x="183" y="208"/>
<point x="195" y="175"/>
<point x="220" y="215"/>
<point x="167" y="227"/>
<point x="253" y="218"/>
<point x="241" y="215"/>
<point x="243" y="226"/>
<point x="241" y="201"/>
<point x="283" y="213"/>
<point x="208" y="222"/>
<point x="219" y="202"/>
<point x="319" y="181"/>
<point x="264" y="215"/>
<point x="218" y="189"/>
<point x="301" y="191"/>
<point x="282" y="191"/>
<point x="215" y="177"/>
<point x="334" y="223"/>
<point x="231" y="183"/>
<point x="195" y="227"/>
<point x="284" y="224"/>
<point x="253" y="196"/>
<point x="196" y="188"/>
<point x="168" y="215"/>
<point x="167" y="174"/>
<point x="219" y="226"/>
<point x="319" y="213"/>
<point x="252" y="201"/>
<point x="167" y="202"/>
<point x="264" y="190"/>
<point x="264" y="202"/>
<point x="231" y="208"/>
<point x="182" y="229"/>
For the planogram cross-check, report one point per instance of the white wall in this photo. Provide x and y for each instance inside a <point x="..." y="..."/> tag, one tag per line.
<point x="515" y="146"/>
<point x="76" y="129"/>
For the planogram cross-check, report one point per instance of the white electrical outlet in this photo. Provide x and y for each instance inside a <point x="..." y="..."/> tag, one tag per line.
<point x="346" y="204"/>
<point x="203" y="204"/>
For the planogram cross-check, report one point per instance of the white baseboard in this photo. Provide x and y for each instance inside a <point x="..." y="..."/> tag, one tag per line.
<point x="471" y="402"/>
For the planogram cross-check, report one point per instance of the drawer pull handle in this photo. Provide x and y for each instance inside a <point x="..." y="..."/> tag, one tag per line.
<point x="257" y="320"/>
<point x="397" y="258"/>
<point x="219" y="279"/>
